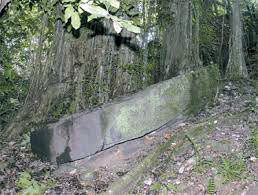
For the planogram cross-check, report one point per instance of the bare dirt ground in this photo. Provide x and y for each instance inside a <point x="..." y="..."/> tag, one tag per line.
<point x="222" y="159"/>
<point x="214" y="152"/>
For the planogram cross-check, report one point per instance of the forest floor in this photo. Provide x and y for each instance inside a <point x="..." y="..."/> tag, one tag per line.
<point x="215" y="152"/>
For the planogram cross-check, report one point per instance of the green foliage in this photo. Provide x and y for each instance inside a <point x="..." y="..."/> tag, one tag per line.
<point x="156" y="186"/>
<point x="211" y="186"/>
<point x="254" y="142"/>
<point x="12" y="92"/>
<point x="195" y="146"/>
<point x="164" y="187"/>
<point x="28" y="185"/>
<point x="59" y="108"/>
<point x="97" y="9"/>
<point x="19" y="32"/>
<point x="207" y="34"/>
<point x="164" y="191"/>
<point x="232" y="170"/>
<point x="26" y="139"/>
<point x="68" y="13"/>
<point x="173" y="187"/>
<point x="133" y="69"/>
<point x="203" y="165"/>
<point x="125" y="24"/>
<point x="76" y="21"/>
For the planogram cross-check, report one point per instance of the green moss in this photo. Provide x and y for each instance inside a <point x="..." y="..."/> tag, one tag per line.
<point x="123" y="120"/>
<point x="158" y="104"/>
<point x="130" y="115"/>
<point x="202" y="87"/>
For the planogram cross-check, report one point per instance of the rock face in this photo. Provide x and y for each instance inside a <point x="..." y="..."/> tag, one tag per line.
<point x="86" y="133"/>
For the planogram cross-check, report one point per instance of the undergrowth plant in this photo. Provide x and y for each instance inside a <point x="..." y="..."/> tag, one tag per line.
<point x="30" y="186"/>
<point x="232" y="170"/>
<point x="254" y="142"/>
<point x="203" y="165"/>
<point x="164" y="188"/>
<point x="211" y="186"/>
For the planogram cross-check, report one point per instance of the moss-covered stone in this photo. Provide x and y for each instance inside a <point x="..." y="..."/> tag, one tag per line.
<point x="129" y="117"/>
<point x="147" y="110"/>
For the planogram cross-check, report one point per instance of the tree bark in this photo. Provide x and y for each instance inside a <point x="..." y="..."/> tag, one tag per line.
<point x="220" y="59"/>
<point x="196" y="32"/>
<point x="179" y="49"/>
<point x="236" y="67"/>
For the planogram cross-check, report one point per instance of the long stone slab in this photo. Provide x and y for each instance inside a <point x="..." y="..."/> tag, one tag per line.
<point x="86" y="133"/>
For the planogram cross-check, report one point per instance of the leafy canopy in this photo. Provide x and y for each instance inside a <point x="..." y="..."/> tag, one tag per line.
<point x="96" y="9"/>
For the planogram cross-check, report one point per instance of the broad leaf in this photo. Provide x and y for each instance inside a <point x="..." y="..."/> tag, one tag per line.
<point x="115" y="18"/>
<point x="95" y="10"/>
<point x="117" y="26"/>
<point x="69" y="28"/>
<point x="93" y="16"/>
<point x="87" y="1"/>
<point x="80" y="10"/>
<point x="76" y="21"/>
<point x="68" y="1"/>
<point x="68" y="13"/>
<point x="113" y="3"/>
<point x="126" y="24"/>
<point x="130" y="27"/>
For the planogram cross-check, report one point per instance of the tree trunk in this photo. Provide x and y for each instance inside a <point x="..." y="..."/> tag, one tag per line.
<point x="236" y="67"/>
<point x="220" y="58"/>
<point x="196" y="32"/>
<point x="78" y="73"/>
<point x="179" y="48"/>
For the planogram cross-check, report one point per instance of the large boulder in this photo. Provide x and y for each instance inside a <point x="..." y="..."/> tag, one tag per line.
<point x="87" y="133"/>
<point x="68" y="139"/>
